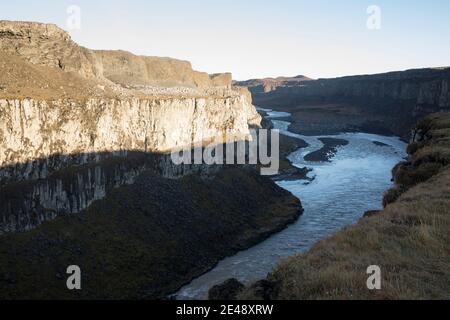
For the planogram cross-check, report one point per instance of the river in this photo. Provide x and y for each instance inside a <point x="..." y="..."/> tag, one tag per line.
<point x="342" y="190"/>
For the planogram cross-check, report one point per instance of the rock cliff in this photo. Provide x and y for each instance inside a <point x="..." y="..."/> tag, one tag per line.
<point x="33" y="131"/>
<point x="170" y="105"/>
<point x="63" y="105"/>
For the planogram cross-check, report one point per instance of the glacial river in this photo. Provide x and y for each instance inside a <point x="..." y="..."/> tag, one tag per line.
<point x="343" y="189"/>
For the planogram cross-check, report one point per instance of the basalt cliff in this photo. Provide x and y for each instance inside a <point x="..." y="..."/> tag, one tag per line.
<point x="388" y="103"/>
<point x="63" y="105"/>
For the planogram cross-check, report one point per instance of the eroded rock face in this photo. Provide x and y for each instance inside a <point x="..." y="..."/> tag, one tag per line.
<point x="24" y="206"/>
<point x="31" y="131"/>
<point x="70" y="117"/>
<point x="161" y="103"/>
<point x="47" y="45"/>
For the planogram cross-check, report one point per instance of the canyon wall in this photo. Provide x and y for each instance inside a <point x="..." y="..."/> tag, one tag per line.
<point x="27" y="204"/>
<point x="396" y="99"/>
<point x="59" y="157"/>
<point x="422" y="87"/>
<point x="32" y="132"/>
<point x="76" y="123"/>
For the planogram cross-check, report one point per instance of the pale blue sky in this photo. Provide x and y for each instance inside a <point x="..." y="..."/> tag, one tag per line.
<point x="256" y="39"/>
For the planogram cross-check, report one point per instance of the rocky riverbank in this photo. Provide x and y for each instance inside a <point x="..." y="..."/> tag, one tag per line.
<point x="287" y="171"/>
<point x="328" y="150"/>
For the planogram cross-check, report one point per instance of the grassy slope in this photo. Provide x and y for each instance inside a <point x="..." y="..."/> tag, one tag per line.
<point x="409" y="239"/>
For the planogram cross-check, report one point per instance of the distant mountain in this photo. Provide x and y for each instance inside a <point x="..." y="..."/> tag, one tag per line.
<point x="269" y="84"/>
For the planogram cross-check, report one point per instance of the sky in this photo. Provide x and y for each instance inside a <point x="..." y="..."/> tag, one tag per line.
<point x="256" y="39"/>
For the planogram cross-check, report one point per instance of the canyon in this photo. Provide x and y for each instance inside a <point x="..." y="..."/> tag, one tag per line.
<point x="86" y="176"/>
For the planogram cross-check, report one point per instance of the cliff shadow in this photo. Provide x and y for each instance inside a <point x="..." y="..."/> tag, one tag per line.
<point x="62" y="184"/>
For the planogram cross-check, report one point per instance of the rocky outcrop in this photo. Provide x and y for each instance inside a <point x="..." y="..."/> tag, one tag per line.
<point x="48" y="45"/>
<point x="429" y="153"/>
<point x="228" y="290"/>
<point x="130" y="70"/>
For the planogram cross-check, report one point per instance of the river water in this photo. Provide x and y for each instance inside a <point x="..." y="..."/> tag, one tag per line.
<point x="342" y="190"/>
